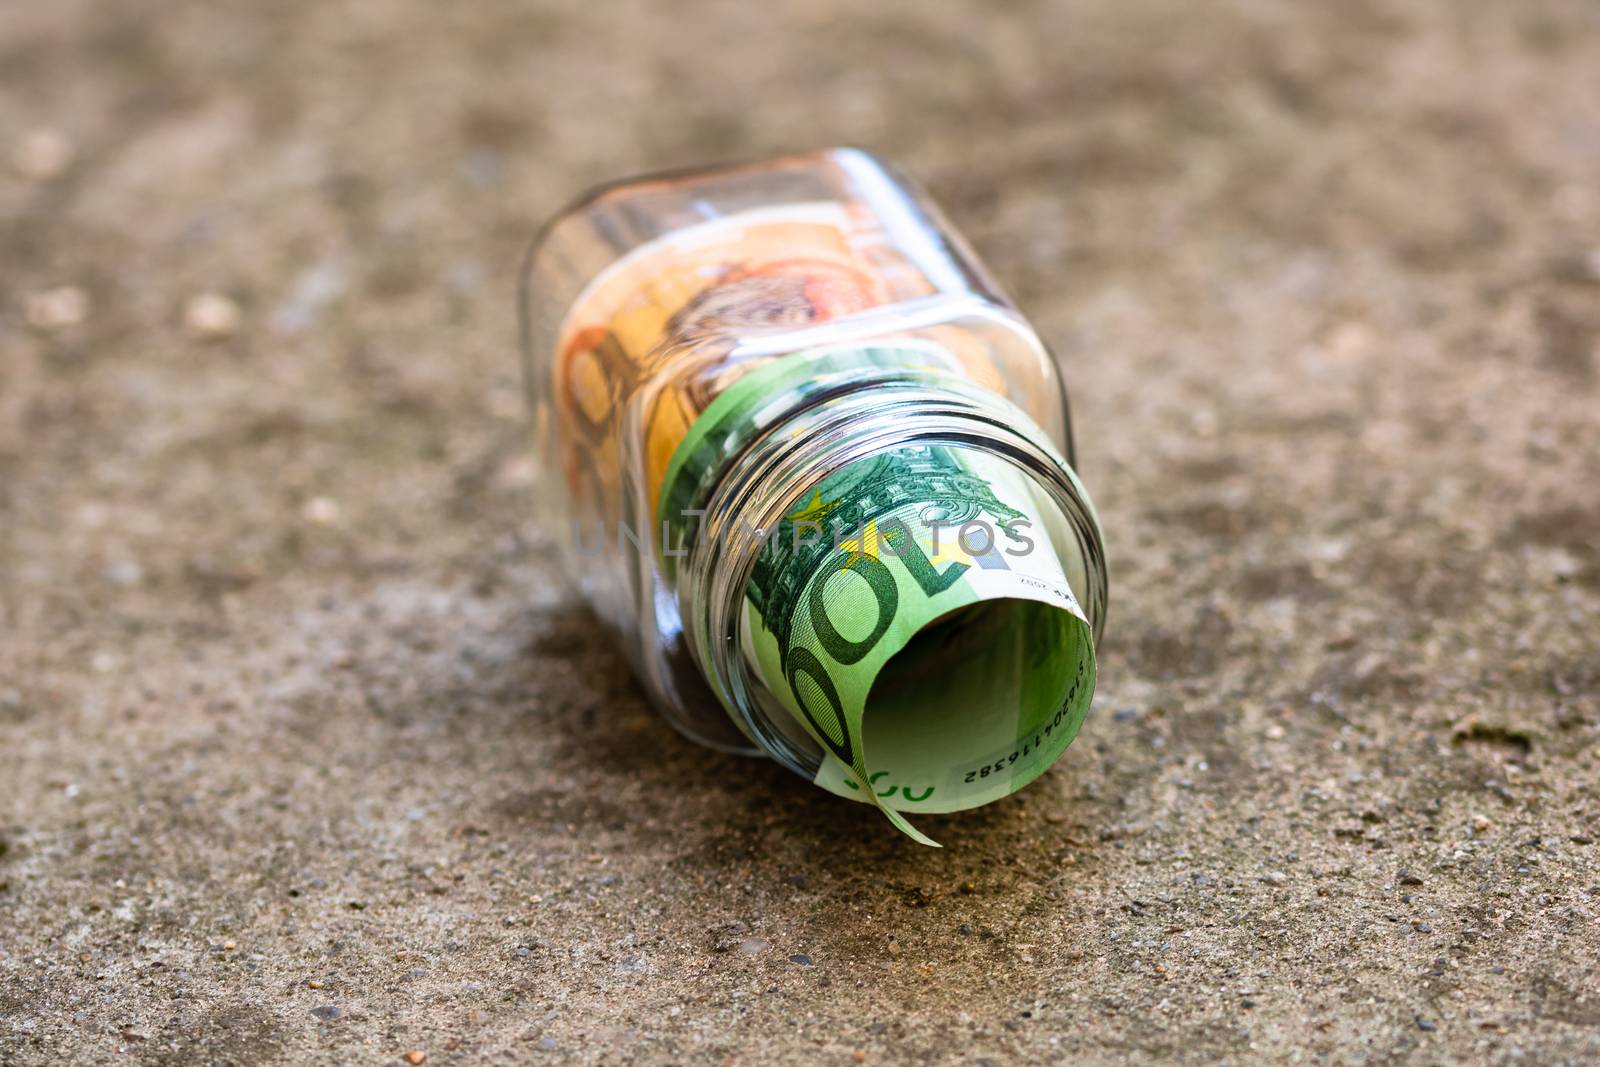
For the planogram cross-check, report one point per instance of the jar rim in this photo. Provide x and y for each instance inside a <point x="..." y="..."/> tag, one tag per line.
<point x="793" y="456"/>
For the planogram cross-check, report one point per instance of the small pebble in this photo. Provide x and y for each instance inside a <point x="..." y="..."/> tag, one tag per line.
<point x="210" y="317"/>
<point x="1275" y="878"/>
<point x="1426" y="1024"/>
<point x="123" y="572"/>
<point x="58" y="308"/>
<point x="1407" y="878"/>
<point x="754" y="946"/>
<point x="42" y="155"/>
<point x="415" y="1056"/>
<point x="322" y="510"/>
<point x="802" y="959"/>
<point x="327" y="1012"/>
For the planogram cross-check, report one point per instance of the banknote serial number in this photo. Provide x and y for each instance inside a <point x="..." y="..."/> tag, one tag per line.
<point x="1022" y="751"/>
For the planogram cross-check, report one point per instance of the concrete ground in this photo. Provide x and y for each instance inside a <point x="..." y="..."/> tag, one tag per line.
<point x="305" y="757"/>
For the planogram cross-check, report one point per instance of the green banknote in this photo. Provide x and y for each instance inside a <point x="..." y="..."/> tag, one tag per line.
<point x="911" y="613"/>
<point x="915" y="620"/>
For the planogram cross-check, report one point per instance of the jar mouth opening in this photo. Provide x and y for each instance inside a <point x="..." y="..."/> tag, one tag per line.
<point x="791" y="459"/>
<point x="997" y="677"/>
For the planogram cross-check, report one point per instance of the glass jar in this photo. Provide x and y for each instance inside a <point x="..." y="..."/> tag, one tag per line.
<point x="703" y="350"/>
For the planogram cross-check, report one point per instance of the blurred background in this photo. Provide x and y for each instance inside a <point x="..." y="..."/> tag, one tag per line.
<point x="304" y="752"/>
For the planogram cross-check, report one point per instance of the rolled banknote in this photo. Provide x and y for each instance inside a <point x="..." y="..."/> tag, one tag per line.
<point x="910" y="612"/>
<point x="912" y="616"/>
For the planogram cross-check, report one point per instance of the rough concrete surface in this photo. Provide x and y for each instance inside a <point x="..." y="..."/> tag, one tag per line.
<point x="304" y="755"/>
